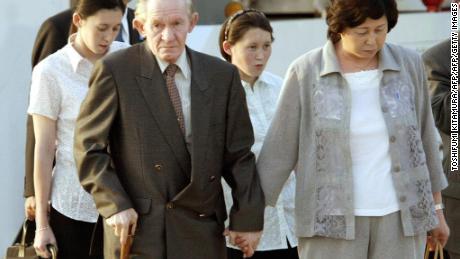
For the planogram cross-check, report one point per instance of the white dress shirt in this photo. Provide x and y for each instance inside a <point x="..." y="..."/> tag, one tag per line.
<point x="279" y="221"/>
<point x="183" y="79"/>
<point x="59" y="85"/>
<point x="124" y="28"/>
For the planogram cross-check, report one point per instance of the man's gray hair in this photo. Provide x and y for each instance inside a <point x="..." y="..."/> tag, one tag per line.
<point x="141" y="8"/>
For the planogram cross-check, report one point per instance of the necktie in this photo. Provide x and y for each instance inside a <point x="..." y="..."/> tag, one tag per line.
<point x="170" y="73"/>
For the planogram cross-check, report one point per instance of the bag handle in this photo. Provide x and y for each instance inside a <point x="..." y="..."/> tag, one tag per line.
<point x="22" y="245"/>
<point x="438" y="252"/>
<point x="53" y="250"/>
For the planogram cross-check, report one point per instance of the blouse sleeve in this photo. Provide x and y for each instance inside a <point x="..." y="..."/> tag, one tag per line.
<point x="45" y="93"/>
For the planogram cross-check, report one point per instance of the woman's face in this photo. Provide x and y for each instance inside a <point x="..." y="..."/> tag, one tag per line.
<point x="99" y="30"/>
<point x="365" y="40"/>
<point x="251" y="53"/>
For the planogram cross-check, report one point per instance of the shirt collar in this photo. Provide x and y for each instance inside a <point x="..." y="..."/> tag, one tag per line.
<point x="181" y="62"/>
<point x="331" y="63"/>
<point x="261" y="81"/>
<point x="74" y="56"/>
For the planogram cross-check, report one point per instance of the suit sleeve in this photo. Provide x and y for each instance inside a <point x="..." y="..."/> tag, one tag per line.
<point x="247" y="212"/>
<point x="93" y="128"/>
<point x="46" y="42"/>
<point x="279" y="153"/>
<point x="438" y="71"/>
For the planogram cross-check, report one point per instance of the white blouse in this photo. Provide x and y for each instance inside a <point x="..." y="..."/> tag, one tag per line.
<point x="59" y="85"/>
<point x="279" y="221"/>
<point x="374" y="192"/>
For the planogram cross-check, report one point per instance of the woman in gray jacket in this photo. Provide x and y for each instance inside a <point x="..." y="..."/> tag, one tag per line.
<point x="355" y="119"/>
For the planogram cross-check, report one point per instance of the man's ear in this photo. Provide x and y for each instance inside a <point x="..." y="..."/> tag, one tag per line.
<point x="193" y="21"/>
<point x="227" y="47"/>
<point x="138" y="24"/>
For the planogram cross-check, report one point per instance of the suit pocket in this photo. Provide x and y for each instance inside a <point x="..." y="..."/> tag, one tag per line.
<point x="142" y="205"/>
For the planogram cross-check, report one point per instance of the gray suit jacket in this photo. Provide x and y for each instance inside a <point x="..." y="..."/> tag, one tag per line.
<point x="176" y="192"/>
<point x="437" y="64"/>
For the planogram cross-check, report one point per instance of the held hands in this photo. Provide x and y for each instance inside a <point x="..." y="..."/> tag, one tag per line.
<point x="44" y="236"/>
<point x="246" y="241"/>
<point x="121" y="222"/>
<point x="440" y="233"/>
<point x="29" y="208"/>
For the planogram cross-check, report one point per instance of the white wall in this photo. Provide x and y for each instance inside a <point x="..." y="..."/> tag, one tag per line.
<point x="19" y="22"/>
<point x="295" y="37"/>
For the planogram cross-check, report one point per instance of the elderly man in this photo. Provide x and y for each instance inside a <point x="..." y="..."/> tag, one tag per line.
<point x="175" y="121"/>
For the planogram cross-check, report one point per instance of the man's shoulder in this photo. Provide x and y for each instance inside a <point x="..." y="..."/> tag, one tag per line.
<point x="213" y="65"/>
<point x="123" y="55"/>
<point x="438" y="51"/>
<point x="64" y="17"/>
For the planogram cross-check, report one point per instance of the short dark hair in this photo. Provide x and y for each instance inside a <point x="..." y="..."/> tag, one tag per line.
<point x="344" y="14"/>
<point x="234" y="28"/>
<point x="87" y="8"/>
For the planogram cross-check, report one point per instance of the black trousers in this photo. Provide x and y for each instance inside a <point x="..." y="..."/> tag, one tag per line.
<point x="289" y="253"/>
<point x="73" y="237"/>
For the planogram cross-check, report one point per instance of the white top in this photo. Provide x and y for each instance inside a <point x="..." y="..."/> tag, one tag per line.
<point x="279" y="221"/>
<point x="59" y="85"/>
<point x="374" y="193"/>
<point x="183" y="79"/>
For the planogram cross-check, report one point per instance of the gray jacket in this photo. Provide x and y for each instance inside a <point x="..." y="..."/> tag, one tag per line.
<point x="310" y="131"/>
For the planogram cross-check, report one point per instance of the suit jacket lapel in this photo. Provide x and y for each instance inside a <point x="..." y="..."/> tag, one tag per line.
<point x="201" y="108"/>
<point x="153" y="87"/>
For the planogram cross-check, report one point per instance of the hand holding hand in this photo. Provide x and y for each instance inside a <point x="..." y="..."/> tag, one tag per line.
<point x="121" y="222"/>
<point x="246" y="241"/>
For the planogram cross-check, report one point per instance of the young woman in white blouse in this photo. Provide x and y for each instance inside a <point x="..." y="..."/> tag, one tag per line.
<point x="245" y="41"/>
<point x="59" y="85"/>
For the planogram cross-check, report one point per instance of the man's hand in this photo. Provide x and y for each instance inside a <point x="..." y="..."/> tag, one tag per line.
<point x="29" y="207"/>
<point x="121" y="222"/>
<point x="440" y="233"/>
<point x="246" y="241"/>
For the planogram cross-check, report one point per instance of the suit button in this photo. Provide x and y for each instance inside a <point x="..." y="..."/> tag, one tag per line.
<point x="384" y="109"/>
<point x="402" y="199"/>
<point x="392" y="139"/>
<point x="170" y="205"/>
<point x="397" y="169"/>
<point x="158" y="167"/>
<point x="212" y="178"/>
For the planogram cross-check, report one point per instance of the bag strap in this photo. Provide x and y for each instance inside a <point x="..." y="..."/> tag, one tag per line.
<point x="22" y="245"/>
<point x="53" y="250"/>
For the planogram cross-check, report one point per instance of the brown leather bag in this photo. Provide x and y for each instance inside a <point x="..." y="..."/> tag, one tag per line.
<point x="23" y="244"/>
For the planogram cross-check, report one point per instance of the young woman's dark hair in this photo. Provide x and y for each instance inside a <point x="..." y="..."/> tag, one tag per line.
<point x="344" y="14"/>
<point x="86" y="8"/>
<point x="234" y="28"/>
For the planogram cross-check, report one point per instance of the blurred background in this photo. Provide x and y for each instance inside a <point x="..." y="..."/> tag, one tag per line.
<point x="298" y="28"/>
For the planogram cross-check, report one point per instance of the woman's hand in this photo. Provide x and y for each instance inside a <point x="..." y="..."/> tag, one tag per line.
<point x="29" y="207"/>
<point x="440" y="233"/>
<point x="43" y="238"/>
